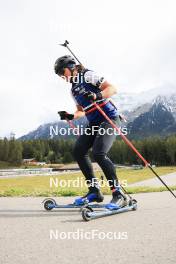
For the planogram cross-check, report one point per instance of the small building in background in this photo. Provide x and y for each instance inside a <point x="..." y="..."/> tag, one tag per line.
<point x="33" y="161"/>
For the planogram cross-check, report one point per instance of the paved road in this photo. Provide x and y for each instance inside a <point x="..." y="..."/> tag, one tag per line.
<point x="169" y="179"/>
<point x="151" y="233"/>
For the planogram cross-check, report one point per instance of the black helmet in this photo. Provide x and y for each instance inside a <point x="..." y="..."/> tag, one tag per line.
<point x="66" y="61"/>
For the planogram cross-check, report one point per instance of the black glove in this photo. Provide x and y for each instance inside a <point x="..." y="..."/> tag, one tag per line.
<point x="93" y="96"/>
<point x="64" y="115"/>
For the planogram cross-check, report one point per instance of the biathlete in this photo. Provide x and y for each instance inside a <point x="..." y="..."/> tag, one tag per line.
<point x="87" y="87"/>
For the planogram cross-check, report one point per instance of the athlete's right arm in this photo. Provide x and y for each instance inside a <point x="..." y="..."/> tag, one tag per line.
<point x="79" y="112"/>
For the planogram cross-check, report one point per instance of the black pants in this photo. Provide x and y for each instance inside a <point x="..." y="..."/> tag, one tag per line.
<point x="100" y="144"/>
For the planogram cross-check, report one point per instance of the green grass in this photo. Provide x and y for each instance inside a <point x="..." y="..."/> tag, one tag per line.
<point x="39" y="185"/>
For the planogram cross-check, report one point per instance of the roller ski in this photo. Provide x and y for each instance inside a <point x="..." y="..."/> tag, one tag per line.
<point x="119" y="204"/>
<point x="91" y="200"/>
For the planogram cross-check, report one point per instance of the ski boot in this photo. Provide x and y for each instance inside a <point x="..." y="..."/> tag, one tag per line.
<point x="119" y="200"/>
<point x="94" y="195"/>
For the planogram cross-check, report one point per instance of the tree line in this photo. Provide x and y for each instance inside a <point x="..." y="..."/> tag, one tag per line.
<point x="157" y="150"/>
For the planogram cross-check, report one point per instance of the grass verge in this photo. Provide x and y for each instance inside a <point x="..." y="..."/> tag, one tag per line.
<point x="40" y="185"/>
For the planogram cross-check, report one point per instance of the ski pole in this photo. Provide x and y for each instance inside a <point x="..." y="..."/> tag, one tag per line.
<point x="65" y="44"/>
<point x="147" y="164"/>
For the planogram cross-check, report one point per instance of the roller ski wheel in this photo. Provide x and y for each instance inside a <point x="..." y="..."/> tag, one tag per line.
<point x="133" y="203"/>
<point x="49" y="204"/>
<point x="85" y="213"/>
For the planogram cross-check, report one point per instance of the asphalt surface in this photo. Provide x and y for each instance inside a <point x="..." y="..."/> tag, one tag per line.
<point x="149" y="234"/>
<point x="169" y="179"/>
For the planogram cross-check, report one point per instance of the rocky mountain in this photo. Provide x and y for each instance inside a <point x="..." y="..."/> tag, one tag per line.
<point x="169" y="102"/>
<point x="157" y="121"/>
<point x="155" y="118"/>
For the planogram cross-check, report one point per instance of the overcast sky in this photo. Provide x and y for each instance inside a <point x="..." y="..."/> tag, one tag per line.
<point x="131" y="42"/>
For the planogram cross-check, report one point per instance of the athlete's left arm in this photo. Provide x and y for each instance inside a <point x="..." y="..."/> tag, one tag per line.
<point x="107" y="89"/>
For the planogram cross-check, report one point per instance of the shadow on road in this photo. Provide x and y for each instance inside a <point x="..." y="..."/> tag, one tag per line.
<point x="12" y="213"/>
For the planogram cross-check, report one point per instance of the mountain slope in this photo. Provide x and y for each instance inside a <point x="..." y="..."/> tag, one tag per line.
<point x="157" y="121"/>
